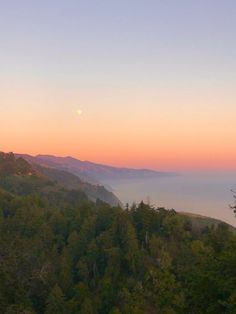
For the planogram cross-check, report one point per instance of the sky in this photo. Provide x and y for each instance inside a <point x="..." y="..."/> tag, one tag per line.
<point x="155" y="81"/>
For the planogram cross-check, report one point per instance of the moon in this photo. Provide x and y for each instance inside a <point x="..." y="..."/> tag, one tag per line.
<point x="79" y="112"/>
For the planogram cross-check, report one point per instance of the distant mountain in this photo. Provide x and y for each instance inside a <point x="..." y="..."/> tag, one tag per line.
<point x="73" y="182"/>
<point x="58" y="163"/>
<point x="20" y="177"/>
<point x="93" y="172"/>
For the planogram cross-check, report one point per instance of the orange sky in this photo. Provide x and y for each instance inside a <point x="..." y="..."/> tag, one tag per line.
<point x="156" y="83"/>
<point x="148" y="128"/>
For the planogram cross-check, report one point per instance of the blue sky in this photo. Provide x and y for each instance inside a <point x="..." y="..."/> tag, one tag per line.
<point x="95" y="42"/>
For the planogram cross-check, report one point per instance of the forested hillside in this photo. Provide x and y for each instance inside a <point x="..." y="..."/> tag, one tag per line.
<point x="61" y="253"/>
<point x="20" y="177"/>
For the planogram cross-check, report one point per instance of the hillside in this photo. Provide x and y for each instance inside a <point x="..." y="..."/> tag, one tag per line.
<point x="70" y="181"/>
<point x="199" y="222"/>
<point x="63" y="253"/>
<point x="10" y="165"/>
<point x="19" y="177"/>
<point x="92" y="172"/>
<point x="58" y="256"/>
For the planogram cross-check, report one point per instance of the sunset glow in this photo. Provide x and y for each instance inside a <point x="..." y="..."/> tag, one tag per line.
<point x="157" y="96"/>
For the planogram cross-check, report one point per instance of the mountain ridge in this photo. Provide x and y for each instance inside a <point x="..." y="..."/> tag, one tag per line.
<point x="94" y="172"/>
<point x="17" y="175"/>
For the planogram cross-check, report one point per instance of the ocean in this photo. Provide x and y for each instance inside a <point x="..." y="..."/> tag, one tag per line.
<point x="204" y="193"/>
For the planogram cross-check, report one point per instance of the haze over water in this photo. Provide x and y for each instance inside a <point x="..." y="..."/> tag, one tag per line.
<point x="205" y="193"/>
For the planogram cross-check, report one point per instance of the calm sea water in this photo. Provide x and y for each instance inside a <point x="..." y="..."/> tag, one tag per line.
<point x="201" y="193"/>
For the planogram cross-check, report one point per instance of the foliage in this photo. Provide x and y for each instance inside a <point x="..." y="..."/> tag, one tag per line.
<point x="60" y="253"/>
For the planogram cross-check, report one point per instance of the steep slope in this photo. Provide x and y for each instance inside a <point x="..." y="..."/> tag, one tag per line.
<point x="92" y="172"/>
<point x="10" y="165"/>
<point x="51" y="163"/>
<point x="70" y="181"/>
<point x="19" y="177"/>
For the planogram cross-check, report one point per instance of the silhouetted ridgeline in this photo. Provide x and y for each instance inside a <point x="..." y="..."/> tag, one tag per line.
<point x="92" y="172"/>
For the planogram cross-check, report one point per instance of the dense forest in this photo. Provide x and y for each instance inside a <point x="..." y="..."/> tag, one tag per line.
<point x="61" y="253"/>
